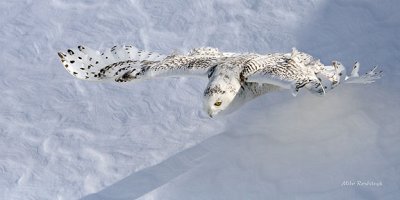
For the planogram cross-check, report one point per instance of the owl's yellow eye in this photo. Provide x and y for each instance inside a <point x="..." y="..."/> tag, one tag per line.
<point x="218" y="103"/>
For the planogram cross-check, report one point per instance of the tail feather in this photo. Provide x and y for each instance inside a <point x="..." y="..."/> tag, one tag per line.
<point x="85" y="63"/>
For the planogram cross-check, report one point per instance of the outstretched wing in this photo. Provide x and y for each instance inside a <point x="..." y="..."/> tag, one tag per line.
<point x="86" y="63"/>
<point x="287" y="71"/>
<point x="126" y="63"/>
<point x="296" y="70"/>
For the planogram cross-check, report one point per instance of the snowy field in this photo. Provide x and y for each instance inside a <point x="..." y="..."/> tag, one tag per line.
<point x="63" y="138"/>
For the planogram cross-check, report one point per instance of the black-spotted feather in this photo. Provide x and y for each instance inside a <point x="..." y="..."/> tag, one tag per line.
<point x="86" y="63"/>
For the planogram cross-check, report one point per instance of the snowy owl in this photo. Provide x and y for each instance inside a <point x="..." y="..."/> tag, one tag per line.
<point x="234" y="78"/>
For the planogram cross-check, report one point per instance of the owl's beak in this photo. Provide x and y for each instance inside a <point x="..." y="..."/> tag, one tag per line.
<point x="209" y="112"/>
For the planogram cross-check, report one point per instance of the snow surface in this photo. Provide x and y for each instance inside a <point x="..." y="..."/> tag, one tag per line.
<point x="62" y="138"/>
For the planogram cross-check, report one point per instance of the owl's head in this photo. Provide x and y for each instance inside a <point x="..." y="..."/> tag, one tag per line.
<point x="219" y="94"/>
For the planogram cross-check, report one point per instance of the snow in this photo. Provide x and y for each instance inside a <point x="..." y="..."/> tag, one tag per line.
<point x="62" y="138"/>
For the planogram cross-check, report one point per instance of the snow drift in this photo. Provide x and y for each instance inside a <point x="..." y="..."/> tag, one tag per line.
<point x="62" y="138"/>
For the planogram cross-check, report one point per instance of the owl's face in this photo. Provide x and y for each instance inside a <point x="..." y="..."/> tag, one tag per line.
<point x="219" y="95"/>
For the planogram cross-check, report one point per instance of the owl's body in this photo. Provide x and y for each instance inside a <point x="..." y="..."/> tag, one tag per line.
<point x="233" y="78"/>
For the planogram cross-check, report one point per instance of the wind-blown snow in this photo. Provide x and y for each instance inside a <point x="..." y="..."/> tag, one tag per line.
<point x="63" y="138"/>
